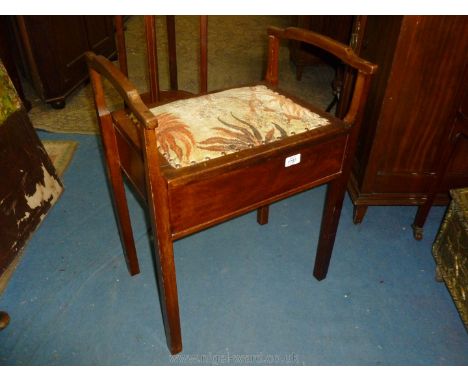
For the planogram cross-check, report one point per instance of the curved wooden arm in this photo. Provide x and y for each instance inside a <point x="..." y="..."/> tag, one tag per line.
<point x="337" y="49"/>
<point x="101" y="66"/>
<point x="343" y="52"/>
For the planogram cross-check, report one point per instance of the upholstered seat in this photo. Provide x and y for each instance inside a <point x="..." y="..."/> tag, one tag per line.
<point x="197" y="129"/>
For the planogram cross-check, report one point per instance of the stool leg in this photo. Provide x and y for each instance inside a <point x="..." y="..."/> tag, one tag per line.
<point x="165" y="267"/>
<point x="331" y="216"/>
<point x="120" y="200"/>
<point x="158" y="204"/>
<point x="124" y="223"/>
<point x="164" y="253"/>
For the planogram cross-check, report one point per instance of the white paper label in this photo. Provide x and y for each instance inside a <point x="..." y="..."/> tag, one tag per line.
<point x="292" y="160"/>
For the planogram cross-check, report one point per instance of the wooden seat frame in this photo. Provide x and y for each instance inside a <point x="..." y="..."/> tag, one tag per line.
<point x="186" y="200"/>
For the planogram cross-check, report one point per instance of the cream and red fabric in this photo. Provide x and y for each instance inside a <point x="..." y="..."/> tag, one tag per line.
<point x="194" y="130"/>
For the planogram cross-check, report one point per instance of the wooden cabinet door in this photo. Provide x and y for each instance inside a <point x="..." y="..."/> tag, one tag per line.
<point x="100" y="34"/>
<point x="420" y="102"/>
<point x="457" y="171"/>
<point x="69" y="34"/>
<point x="412" y="105"/>
<point x="54" y="47"/>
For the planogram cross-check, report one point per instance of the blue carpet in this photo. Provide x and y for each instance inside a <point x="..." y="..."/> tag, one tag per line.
<point x="247" y="295"/>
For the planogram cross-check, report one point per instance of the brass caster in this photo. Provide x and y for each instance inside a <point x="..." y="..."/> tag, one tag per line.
<point x="418" y="232"/>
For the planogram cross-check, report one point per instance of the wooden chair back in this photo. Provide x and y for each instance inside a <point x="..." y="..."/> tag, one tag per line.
<point x="155" y="93"/>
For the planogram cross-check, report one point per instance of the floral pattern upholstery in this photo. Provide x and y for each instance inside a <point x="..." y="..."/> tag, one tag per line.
<point x="194" y="130"/>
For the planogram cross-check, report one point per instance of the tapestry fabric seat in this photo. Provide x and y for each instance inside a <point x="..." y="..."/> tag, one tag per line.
<point x="194" y="130"/>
